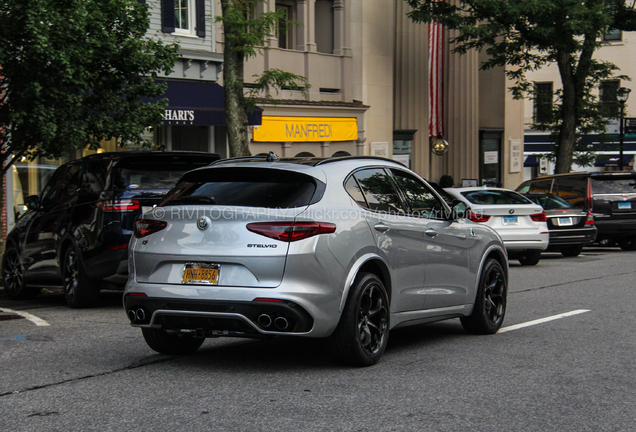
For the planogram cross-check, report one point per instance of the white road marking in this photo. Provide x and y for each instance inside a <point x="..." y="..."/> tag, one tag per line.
<point x="35" y="320"/>
<point x="542" y="320"/>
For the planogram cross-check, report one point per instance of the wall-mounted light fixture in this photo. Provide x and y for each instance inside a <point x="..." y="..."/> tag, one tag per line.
<point x="439" y="145"/>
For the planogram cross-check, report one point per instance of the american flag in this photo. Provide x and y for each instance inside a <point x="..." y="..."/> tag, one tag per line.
<point x="435" y="78"/>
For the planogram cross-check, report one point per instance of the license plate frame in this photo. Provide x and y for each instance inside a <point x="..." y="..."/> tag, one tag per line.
<point x="510" y="220"/>
<point x="201" y="273"/>
<point x="625" y="205"/>
<point x="564" y="221"/>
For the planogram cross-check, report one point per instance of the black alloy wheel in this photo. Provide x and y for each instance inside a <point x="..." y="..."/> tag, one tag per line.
<point x="13" y="276"/>
<point x="79" y="290"/>
<point x="490" y="305"/>
<point x="363" y="332"/>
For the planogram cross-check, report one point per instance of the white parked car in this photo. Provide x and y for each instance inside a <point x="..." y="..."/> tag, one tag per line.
<point x="521" y="223"/>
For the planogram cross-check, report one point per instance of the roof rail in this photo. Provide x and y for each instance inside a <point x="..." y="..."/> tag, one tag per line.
<point x="341" y="158"/>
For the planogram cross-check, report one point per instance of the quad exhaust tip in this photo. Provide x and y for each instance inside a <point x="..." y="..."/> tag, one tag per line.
<point x="281" y="323"/>
<point x="265" y="320"/>
<point x="136" y="316"/>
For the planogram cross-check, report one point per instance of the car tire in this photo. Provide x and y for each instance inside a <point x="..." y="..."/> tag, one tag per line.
<point x="529" y="257"/>
<point x="79" y="290"/>
<point x="13" y="276"/>
<point x="171" y="343"/>
<point x="489" y="309"/>
<point x="572" y="251"/>
<point x="363" y="331"/>
<point x="628" y="244"/>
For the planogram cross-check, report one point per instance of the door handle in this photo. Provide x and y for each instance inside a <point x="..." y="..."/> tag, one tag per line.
<point x="431" y="232"/>
<point x="381" y="227"/>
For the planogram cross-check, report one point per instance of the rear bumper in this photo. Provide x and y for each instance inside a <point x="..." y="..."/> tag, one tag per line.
<point x="290" y="309"/>
<point x="573" y="237"/>
<point x="248" y="319"/>
<point x="521" y="245"/>
<point x="615" y="229"/>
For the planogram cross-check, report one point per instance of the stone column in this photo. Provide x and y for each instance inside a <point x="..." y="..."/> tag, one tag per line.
<point x="461" y="115"/>
<point x="338" y="26"/>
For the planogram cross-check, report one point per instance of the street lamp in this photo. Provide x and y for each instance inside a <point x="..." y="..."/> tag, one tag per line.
<point x="622" y="94"/>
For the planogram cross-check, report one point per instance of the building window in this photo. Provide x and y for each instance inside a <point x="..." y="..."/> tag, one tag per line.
<point x="613" y="35"/>
<point x="183" y="17"/>
<point x="543" y="99"/>
<point x="285" y="27"/>
<point x="324" y="26"/>
<point x="609" y="103"/>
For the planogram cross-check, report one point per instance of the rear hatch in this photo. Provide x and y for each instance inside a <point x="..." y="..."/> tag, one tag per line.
<point x="614" y="195"/>
<point x="141" y="180"/>
<point x="225" y="226"/>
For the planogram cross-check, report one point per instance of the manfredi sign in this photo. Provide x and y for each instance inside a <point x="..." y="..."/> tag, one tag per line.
<point x="306" y="129"/>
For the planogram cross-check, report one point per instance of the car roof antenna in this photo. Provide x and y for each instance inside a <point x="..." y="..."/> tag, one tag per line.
<point x="272" y="157"/>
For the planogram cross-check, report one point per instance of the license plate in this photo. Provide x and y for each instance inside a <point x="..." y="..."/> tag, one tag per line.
<point x="564" y="221"/>
<point x="624" y="205"/>
<point x="201" y="273"/>
<point x="509" y="220"/>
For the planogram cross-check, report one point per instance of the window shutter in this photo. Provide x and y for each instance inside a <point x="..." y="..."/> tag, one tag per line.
<point x="167" y="16"/>
<point x="200" y="10"/>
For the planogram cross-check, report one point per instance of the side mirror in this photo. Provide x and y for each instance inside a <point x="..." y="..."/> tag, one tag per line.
<point x="459" y="210"/>
<point x="33" y="202"/>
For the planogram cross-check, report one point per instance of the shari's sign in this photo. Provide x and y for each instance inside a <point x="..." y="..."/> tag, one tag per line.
<point x="178" y="117"/>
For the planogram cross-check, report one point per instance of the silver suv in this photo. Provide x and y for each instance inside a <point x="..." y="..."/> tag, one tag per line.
<point x="346" y="248"/>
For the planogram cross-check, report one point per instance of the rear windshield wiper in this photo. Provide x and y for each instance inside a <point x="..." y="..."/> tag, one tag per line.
<point x="192" y="199"/>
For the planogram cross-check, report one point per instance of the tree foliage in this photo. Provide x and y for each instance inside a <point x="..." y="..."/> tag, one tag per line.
<point x="74" y="73"/>
<point x="526" y="35"/>
<point x="246" y="35"/>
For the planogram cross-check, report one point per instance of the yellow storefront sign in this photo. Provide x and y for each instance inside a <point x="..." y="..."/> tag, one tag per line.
<point x="306" y="129"/>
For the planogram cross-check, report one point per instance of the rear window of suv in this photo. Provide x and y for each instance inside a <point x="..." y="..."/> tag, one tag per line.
<point x="610" y="185"/>
<point x="245" y="187"/>
<point x="155" y="172"/>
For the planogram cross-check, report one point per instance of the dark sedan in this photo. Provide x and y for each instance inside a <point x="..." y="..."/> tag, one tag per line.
<point x="570" y="228"/>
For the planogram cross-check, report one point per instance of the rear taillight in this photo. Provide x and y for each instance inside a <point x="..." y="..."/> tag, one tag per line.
<point x="291" y="231"/>
<point x="589" y="201"/>
<point x="119" y="205"/>
<point x="590" y="219"/>
<point x="539" y="217"/>
<point x="478" y="217"/>
<point x="145" y="227"/>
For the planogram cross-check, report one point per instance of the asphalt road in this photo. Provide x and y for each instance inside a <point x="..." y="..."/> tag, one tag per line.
<point x="89" y="370"/>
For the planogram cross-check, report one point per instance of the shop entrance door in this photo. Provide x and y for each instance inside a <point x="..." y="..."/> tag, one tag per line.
<point x="490" y="158"/>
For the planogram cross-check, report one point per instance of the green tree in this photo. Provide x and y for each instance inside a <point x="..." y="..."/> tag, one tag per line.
<point x="245" y="35"/>
<point x="526" y="35"/>
<point x="74" y="73"/>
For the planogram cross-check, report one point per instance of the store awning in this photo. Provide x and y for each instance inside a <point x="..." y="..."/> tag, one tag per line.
<point x="531" y="161"/>
<point x="198" y="103"/>
<point x="612" y="161"/>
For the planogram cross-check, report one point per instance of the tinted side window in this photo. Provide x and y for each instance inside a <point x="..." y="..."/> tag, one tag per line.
<point x="93" y="179"/>
<point x="541" y="186"/>
<point x="379" y="191"/>
<point x="419" y="197"/>
<point x="353" y="189"/>
<point x="571" y="189"/>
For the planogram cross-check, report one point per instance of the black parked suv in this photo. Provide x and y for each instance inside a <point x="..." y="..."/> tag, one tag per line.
<point x="611" y="197"/>
<point x="76" y="233"/>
